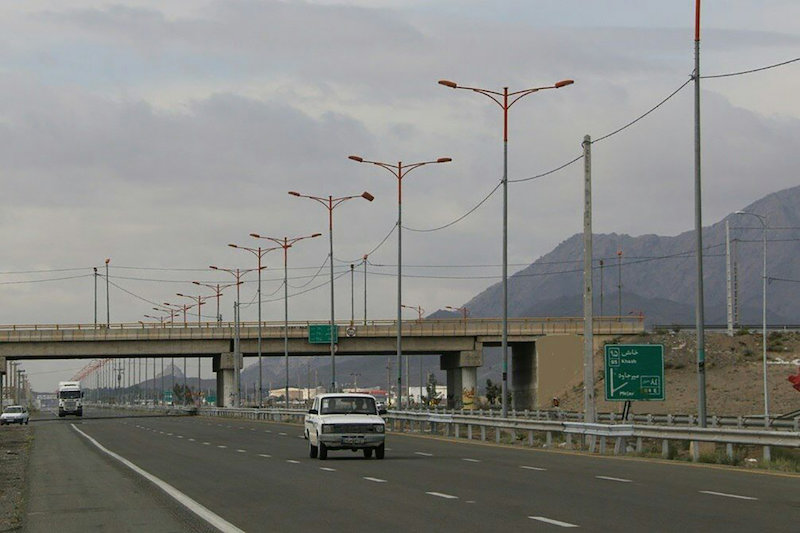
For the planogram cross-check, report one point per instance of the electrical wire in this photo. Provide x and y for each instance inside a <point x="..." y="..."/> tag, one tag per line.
<point x="30" y="281"/>
<point x="750" y="71"/>
<point x="462" y="217"/>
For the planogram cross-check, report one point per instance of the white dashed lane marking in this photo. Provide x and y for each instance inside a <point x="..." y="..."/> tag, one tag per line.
<point x="737" y="496"/>
<point x="533" y="468"/>
<point x="553" y="522"/>
<point x="442" y="495"/>
<point x="619" y="479"/>
<point x="292" y="461"/>
<point x="264" y="455"/>
<point x="471" y="460"/>
<point x="424" y="454"/>
<point x="376" y="480"/>
<point x="242" y="451"/>
<point x="325" y="468"/>
<point x="221" y="446"/>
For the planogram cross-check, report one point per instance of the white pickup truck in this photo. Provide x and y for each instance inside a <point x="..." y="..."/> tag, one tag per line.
<point x="344" y="421"/>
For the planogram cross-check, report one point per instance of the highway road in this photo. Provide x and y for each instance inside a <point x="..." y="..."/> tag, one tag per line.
<point x="257" y="476"/>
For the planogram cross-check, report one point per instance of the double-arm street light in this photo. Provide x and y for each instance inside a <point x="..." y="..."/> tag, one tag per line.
<point x="259" y="253"/>
<point x="505" y="100"/>
<point x="330" y="203"/>
<point x="399" y="171"/>
<point x="217" y="288"/>
<point x="200" y="301"/>
<point x="237" y="274"/>
<point x="284" y="243"/>
<point x="763" y="221"/>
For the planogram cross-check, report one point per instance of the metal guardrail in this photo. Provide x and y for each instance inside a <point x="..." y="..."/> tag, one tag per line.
<point x="466" y="425"/>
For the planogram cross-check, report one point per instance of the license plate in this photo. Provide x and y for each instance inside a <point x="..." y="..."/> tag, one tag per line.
<point x="353" y="440"/>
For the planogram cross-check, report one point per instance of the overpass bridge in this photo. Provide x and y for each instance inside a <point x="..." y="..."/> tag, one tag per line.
<point x="541" y="348"/>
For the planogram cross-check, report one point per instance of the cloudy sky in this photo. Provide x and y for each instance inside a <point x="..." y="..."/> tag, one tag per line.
<point x="154" y="133"/>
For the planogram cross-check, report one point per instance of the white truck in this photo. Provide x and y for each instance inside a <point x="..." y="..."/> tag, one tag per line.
<point x="70" y="398"/>
<point x="345" y="422"/>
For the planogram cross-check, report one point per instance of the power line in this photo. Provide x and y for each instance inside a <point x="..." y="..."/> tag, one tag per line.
<point x="751" y="70"/>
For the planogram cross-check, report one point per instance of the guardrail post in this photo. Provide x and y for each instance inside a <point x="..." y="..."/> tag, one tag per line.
<point x="548" y="438"/>
<point x="665" y="449"/>
<point x="568" y="441"/>
<point x="497" y="435"/>
<point x="729" y="450"/>
<point x="670" y="419"/>
<point x="483" y="433"/>
<point x="797" y="423"/>
<point x="530" y="437"/>
<point x="458" y="430"/>
<point x="739" y="421"/>
<point x="715" y="421"/>
<point x="469" y="431"/>
<point x="694" y="447"/>
<point x="602" y="445"/>
<point x="650" y="419"/>
<point x="767" y="454"/>
<point x="639" y="445"/>
<point x="619" y="446"/>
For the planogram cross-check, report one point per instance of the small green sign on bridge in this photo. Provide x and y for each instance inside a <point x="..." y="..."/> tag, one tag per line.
<point x="634" y="372"/>
<point x="321" y="333"/>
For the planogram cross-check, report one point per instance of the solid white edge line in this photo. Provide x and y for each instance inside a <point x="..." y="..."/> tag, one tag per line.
<point x="198" y="509"/>
<point x="608" y="478"/>
<point x="553" y="522"/>
<point x="728" y="495"/>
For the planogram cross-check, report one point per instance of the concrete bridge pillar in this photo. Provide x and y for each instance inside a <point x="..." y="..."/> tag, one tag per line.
<point x="523" y="375"/>
<point x="462" y="377"/>
<point x="225" y="367"/>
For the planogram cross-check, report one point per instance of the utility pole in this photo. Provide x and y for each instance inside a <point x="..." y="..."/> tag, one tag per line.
<point x="728" y="278"/>
<point x="108" y="298"/>
<point x="588" y="312"/>
<point x="619" y="283"/>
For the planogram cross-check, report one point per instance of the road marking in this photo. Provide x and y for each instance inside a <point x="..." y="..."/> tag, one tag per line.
<point x="242" y="451"/>
<point x="424" y="454"/>
<point x="442" y="495"/>
<point x="207" y="443"/>
<point x="471" y="460"/>
<point x="169" y="434"/>
<point x="292" y="461"/>
<point x="282" y="434"/>
<point x="268" y="431"/>
<point x="614" y="479"/>
<point x="727" y="495"/>
<point x="180" y="436"/>
<point x="191" y="440"/>
<point x="325" y="468"/>
<point x="533" y="468"/>
<point x="376" y="480"/>
<point x="553" y="522"/>
<point x="201" y="511"/>
<point x="264" y="455"/>
<point x="222" y="446"/>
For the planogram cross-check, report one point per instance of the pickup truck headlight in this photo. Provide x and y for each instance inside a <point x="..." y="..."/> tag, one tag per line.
<point x="327" y="428"/>
<point x="379" y="428"/>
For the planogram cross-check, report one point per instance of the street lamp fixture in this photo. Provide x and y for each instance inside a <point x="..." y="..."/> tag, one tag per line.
<point x="463" y="310"/>
<point x="505" y="100"/>
<point x="331" y="203"/>
<point x="763" y="220"/>
<point x="284" y="243"/>
<point x="399" y="171"/>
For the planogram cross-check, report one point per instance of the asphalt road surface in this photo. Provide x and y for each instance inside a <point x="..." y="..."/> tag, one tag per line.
<point x="257" y="476"/>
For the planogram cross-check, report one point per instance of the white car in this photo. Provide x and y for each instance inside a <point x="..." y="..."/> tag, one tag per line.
<point x="345" y="421"/>
<point x="14" y="414"/>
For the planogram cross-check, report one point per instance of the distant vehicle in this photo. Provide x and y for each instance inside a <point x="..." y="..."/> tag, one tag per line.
<point x="70" y="398"/>
<point x="345" y="422"/>
<point x="15" y="414"/>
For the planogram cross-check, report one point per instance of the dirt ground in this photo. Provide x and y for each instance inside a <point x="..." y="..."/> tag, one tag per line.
<point x="15" y="446"/>
<point x="734" y="375"/>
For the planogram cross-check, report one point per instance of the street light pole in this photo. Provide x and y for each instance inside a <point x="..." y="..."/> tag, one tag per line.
<point x="108" y="299"/>
<point x="502" y="99"/>
<point x="763" y="221"/>
<point x="365" y="289"/>
<point x="330" y="203"/>
<point x="259" y="253"/>
<point x="285" y="243"/>
<point x="399" y="171"/>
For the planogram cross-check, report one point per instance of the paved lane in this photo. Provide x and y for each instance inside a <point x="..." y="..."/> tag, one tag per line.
<point x="258" y="476"/>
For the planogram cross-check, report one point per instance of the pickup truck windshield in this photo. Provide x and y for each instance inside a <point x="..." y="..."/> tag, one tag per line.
<point x="69" y="394"/>
<point x="343" y="405"/>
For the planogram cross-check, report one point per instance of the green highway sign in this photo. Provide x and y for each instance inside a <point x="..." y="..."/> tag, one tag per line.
<point x="321" y="334"/>
<point x="634" y="372"/>
<point x="168" y="396"/>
